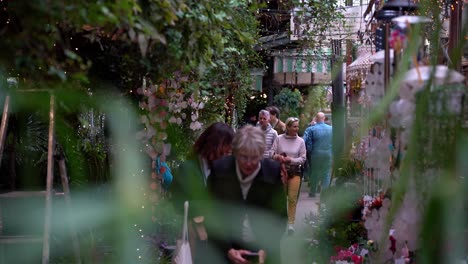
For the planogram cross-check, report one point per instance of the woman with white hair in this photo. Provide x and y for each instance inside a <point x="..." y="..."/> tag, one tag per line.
<point x="248" y="202"/>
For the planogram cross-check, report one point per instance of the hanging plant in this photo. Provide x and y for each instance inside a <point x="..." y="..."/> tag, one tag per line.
<point x="162" y="105"/>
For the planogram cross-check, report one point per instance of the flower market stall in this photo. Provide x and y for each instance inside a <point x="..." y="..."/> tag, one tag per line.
<point x="407" y="152"/>
<point x="356" y="74"/>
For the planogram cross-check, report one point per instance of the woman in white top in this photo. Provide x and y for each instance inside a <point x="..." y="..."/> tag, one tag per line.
<point x="290" y="150"/>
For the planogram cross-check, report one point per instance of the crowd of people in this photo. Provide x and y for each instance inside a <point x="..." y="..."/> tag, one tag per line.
<point x="243" y="186"/>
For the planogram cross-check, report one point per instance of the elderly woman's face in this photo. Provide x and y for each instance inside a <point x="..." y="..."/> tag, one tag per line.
<point x="248" y="163"/>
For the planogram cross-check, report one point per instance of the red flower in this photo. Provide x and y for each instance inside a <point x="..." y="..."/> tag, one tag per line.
<point x="339" y="248"/>
<point x="393" y="244"/>
<point x="377" y="203"/>
<point x="162" y="113"/>
<point x="357" y="259"/>
<point x="349" y="255"/>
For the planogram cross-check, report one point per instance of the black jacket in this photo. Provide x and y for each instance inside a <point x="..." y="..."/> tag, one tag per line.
<point x="189" y="185"/>
<point x="265" y="205"/>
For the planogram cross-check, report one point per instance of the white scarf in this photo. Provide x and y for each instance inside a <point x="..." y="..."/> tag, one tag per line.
<point x="245" y="184"/>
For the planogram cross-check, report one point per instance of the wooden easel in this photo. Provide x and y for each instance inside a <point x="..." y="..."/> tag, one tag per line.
<point x="48" y="193"/>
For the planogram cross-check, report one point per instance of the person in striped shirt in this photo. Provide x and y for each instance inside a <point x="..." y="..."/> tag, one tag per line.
<point x="270" y="133"/>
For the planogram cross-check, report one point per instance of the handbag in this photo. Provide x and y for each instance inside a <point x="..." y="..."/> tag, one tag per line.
<point x="284" y="174"/>
<point x="294" y="170"/>
<point x="183" y="254"/>
<point x="198" y="237"/>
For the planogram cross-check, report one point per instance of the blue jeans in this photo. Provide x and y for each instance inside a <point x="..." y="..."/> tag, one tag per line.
<point x="319" y="171"/>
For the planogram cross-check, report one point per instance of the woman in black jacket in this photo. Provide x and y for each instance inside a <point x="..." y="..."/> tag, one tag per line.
<point x="248" y="206"/>
<point x="189" y="183"/>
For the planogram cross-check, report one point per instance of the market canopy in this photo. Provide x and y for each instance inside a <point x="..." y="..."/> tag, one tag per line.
<point x="360" y="67"/>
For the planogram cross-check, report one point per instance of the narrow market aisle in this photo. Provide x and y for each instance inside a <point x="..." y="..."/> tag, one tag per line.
<point x="292" y="246"/>
<point x="306" y="205"/>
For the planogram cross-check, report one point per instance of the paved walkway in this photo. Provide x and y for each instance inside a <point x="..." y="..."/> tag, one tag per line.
<point x="292" y="245"/>
<point x="305" y="206"/>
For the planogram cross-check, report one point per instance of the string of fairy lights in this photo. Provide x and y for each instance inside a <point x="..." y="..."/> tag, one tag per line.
<point x="446" y="6"/>
<point x="136" y="227"/>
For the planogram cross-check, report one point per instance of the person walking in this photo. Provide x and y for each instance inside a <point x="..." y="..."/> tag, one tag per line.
<point x="275" y="121"/>
<point x="318" y="140"/>
<point x="248" y="202"/>
<point x="191" y="177"/>
<point x="290" y="150"/>
<point x="270" y="133"/>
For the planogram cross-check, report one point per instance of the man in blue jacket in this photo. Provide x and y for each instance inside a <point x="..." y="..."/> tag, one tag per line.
<point x="318" y="140"/>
